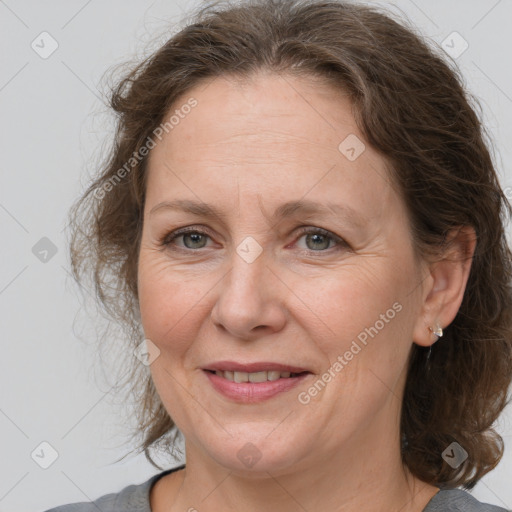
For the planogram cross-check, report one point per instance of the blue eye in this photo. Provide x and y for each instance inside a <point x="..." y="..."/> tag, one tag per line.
<point x="318" y="240"/>
<point x="196" y="239"/>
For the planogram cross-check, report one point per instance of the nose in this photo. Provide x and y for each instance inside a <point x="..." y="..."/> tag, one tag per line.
<point x="250" y="303"/>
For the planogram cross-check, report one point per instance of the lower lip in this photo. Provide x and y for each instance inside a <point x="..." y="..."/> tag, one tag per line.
<point x="252" y="392"/>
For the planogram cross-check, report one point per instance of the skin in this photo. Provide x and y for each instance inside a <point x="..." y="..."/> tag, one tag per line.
<point x="247" y="148"/>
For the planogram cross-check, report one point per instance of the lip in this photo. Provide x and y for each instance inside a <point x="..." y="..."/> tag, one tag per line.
<point x="253" y="392"/>
<point x="261" y="366"/>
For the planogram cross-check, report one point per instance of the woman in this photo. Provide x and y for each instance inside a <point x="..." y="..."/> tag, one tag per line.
<point x="308" y="233"/>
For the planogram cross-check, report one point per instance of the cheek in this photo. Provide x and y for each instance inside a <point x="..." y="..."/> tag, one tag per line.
<point x="362" y="322"/>
<point x="346" y="303"/>
<point x="170" y="303"/>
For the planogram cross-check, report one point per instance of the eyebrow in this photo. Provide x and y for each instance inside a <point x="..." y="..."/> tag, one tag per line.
<point x="288" y="209"/>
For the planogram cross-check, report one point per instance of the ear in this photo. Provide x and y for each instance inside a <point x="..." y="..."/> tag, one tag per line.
<point x="443" y="289"/>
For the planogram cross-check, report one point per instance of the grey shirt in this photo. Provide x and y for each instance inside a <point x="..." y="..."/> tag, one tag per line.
<point x="135" y="498"/>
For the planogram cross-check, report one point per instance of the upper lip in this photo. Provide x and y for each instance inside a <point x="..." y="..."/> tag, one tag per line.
<point x="260" y="366"/>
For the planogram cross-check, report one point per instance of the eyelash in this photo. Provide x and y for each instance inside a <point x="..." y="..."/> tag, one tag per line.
<point x="169" y="238"/>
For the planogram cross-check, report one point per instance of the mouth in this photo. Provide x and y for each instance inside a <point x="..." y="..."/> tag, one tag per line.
<point x="262" y="376"/>
<point x="255" y="382"/>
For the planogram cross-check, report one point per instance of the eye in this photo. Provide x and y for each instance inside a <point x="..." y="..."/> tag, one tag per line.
<point x="319" y="240"/>
<point x="191" y="238"/>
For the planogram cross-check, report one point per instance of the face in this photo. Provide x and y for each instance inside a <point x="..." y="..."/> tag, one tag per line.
<point x="269" y="248"/>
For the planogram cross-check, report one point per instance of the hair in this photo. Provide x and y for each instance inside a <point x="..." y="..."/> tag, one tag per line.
<point x="411" y="105"/>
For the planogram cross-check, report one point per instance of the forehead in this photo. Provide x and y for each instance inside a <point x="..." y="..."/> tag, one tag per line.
<point x="269" y="133"/>
<point x="265" y="108"/>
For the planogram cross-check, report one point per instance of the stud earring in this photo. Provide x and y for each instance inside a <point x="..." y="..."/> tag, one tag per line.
<point x="438" y="331"/>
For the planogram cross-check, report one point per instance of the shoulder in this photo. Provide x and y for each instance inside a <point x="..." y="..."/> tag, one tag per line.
<point x="130" y="498"/>
<point x="134" y="498"/>
<point x="460" y="501"/>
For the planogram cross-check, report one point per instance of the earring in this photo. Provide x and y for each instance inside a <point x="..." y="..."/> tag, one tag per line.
<point x="438" y="331"/>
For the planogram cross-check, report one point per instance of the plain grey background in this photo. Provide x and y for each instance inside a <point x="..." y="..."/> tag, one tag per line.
<point x="53" y="127"/>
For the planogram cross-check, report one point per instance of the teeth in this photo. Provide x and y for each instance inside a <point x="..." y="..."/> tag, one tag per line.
<point x="241" y="377"/>
<point x="253" y="377"/>
<point x="258" y="377"/>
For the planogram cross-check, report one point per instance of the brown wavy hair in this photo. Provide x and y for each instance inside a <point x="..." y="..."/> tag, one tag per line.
<point x="411" y="104"/>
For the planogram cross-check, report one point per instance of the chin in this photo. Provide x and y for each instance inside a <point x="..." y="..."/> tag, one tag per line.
<point x="256" y="456"/>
